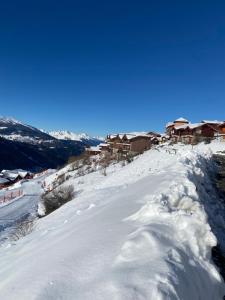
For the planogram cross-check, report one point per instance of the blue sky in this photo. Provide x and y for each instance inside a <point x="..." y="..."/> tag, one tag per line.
<point x="108" y="66"/>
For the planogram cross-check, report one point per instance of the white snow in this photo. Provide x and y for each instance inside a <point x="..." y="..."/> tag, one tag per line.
<point x="130" y="135"/>
<point x="144" y="231"/>
<point x="211" y="121"/>
<point x="21" y="207"/>
<point x="181" y="119"/>
<point x="69" y="135"/>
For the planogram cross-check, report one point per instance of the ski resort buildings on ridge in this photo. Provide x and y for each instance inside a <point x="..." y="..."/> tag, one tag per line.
<point x="180" y="130"/>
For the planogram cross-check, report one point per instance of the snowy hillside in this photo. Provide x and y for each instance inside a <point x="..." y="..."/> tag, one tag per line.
<point x="69" y="135"/>
<point x="144" y="231"/>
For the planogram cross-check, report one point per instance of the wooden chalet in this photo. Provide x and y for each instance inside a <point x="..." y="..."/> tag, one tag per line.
<point x="177" y="123"/>
<point x="222" y="132"/>
<point x="192" y="133"/>
<point x="132" y="143"/>
<point x="215" y="124"/>
<point x="104" y="148"/>
<point x="93" y="150"/>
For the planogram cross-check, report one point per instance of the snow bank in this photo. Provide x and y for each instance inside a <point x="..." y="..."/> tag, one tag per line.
<point x="141" y="232"/>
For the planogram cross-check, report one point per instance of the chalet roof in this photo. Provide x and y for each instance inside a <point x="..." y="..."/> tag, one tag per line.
<point x="191" y="126"/>
<point x="129" y="135"/>
<point x="103" y="145"/>
<point x="195" y="125"/>
<point x="153" y="133"/>
<point x="211" y="122"/>
<point x="13" y="174"/>
<point x="169" y="124"/>
<point x="155" y="138"/>
<point x="181" y="120"/>
<point x="4" y="180"/>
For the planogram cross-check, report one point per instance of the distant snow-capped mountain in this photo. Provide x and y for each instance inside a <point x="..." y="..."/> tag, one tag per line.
<point x="26" y="147"/>
<point x="69" y="135"/>
<point x="14" y="130"/>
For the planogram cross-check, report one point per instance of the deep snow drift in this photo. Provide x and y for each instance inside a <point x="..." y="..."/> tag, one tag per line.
<point x="141" y="232"/>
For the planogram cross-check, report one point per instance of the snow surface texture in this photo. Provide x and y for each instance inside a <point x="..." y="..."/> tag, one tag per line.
<point x="141" y="232"/>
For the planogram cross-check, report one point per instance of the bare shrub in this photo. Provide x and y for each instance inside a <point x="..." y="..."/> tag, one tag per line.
<point x="72" y="159"/>
<point x="207" y="140"/>
<point x="22" y="229"/>
<point x="129" y="158"/>
<point x="56" y="198"/>
<point x="77" y="162"/>
<point x="68" y="177"/>
<point x="74" y="165"/>
<point x="123" y="163"/>
<point x="80" y="172"/>
<point x="195" y="140"/>
<point x="104" y="162"/>
<point x="61" y="179"/>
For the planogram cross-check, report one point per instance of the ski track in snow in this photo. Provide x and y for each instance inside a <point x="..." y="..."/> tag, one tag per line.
<point x="141" y="232"/>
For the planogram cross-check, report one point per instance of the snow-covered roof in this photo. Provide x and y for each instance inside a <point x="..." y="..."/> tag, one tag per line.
<point x="181" y="120"/>
<point x="153" y="133"/>
<point x="103" y="145"/>
<point x="211" y="121"/>
<point x="111" y="136"/>
<point x="13" y="174"/>
<point x="169" y="124"/>
<point x="182" y="126"/>
<point x="190" y="125"/>
<point x="3" y="180"/>
<point x="129" y="135"/>
<point x="195" y="125"/>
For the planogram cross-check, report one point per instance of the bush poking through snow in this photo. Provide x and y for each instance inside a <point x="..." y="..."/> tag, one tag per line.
<point x="61" y="179"/>
<point x="22" y="229"/>
<point x="207" y="140"/>
<point x="105" y="161"/>
<point x="56" y="198"/>
<point x="129" y="158"/>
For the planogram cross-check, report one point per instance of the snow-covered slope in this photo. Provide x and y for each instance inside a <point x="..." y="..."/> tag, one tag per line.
<point x="144" y="231"/>
<point x="69" y="135"/>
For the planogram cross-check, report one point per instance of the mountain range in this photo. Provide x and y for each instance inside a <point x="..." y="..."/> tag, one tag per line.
<point x="24" y="146"/>
<point x="69" y="135"/>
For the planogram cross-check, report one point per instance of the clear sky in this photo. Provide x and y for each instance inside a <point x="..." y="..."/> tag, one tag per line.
<point x="109" y="66"/>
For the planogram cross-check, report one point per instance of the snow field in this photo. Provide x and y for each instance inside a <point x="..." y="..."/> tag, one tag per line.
<point x="144" y="231"/>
